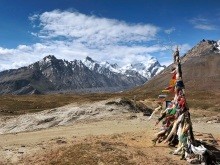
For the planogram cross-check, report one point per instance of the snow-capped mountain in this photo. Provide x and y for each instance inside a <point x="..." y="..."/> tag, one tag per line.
<point x="53" y="75"/>
<point x="100" y="67"/>
<point x="146" y="69"/>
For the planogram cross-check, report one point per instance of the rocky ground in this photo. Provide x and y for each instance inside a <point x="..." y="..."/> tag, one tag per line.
<point x="104" y="132"/>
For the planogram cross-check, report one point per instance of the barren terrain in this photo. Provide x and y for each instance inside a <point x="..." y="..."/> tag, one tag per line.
<point x="102" y="132"/>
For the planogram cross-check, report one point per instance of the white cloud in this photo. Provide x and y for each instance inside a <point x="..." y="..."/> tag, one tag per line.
<point x="33" y="17"/>
<point x="205" y="27"/>
<point x="169" y="31"/>
<point x="72" y="35"/>
<point x="92" y="30"/>
<point x="202" y="23"/>
<point x="6" y="51"/>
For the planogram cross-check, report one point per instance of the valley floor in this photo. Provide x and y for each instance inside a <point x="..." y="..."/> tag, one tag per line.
<point x="123" y="139"/>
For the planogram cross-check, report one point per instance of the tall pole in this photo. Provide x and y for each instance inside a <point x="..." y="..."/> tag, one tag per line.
<point x="180" y="87"/>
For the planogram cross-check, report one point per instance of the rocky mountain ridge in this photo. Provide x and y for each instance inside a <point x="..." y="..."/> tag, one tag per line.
<point x="55" y="75"/>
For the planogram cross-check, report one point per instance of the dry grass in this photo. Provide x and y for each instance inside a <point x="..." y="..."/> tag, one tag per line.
<point x="118" y="149"/>
<point x="92" y="154"/>
<point x="204" y="100"/>
<point x="16" y="105"/>
<point x="195" y="99"/>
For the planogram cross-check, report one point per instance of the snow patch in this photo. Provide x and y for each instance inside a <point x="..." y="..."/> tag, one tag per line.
<point x="66" y="63"/>
<point x="218" y="45"/>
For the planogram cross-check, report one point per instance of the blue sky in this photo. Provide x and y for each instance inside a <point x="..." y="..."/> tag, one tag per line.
<point x="121" y="31"/>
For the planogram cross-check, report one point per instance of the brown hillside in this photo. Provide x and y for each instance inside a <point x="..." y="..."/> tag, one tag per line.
<point x="201" y="76"/>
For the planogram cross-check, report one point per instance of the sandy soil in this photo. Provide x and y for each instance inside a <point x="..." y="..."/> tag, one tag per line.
<point x="123" y="139"/>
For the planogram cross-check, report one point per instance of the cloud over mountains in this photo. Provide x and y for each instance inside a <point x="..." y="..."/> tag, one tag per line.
<point x="73" y="35"/>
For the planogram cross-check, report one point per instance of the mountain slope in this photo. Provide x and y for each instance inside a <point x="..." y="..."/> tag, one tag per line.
<point x="201" y="75"/>
<point x="55" y="75"/>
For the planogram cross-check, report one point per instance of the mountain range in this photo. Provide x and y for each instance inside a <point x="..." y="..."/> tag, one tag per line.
<point x="52" y="75"/>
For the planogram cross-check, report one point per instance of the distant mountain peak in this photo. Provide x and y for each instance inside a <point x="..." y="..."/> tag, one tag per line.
<point x="203" y="48"/>
<point x="50" y="57"/>
<point x="208" y="42"/>
<point x="114" y="65"/>
<point x="89" y="59"/>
